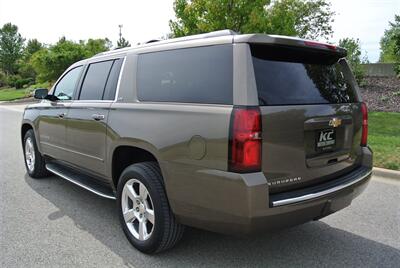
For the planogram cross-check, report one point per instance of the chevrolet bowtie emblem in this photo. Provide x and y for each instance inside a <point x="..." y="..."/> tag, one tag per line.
<point x="335" y="122"/>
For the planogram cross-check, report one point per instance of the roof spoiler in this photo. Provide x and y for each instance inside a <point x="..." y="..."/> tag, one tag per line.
<point x="289" y="41"/>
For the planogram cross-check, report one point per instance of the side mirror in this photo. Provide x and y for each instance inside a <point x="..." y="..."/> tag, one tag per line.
<point x="40" y="93"/>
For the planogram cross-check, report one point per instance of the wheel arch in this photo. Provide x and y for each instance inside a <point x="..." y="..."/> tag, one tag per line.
<point x="25" y="127"/>
<point x="125" y="155"/>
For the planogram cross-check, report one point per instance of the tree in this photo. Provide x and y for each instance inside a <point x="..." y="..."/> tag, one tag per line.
<point x="353" y="57"/>
<point x="308" y="19"/>
<point x="11" y="47"/>
<point x="26" y="69"/>
<point x="50" y="63"/>
<point x="32" y="46"/>
<point x="390" y="44"/>
<point x="95" y="46"/>
<point x="123" y="43"/>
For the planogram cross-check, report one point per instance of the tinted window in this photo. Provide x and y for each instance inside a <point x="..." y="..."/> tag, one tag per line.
<point x="95" y="80"/>
<point x="111" y="86"/>
<point x="287" y="77"/>
<point x="197" y="75"/>
<point x="65" y="87"/>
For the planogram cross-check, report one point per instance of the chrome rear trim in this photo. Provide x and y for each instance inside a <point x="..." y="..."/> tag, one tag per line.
<point x="311" y="196"/>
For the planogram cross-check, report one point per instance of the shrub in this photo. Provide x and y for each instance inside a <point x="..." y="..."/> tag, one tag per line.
<point x="20" y="83"/>
<point x="3" y="79"/>
<point x="12" y="79"/>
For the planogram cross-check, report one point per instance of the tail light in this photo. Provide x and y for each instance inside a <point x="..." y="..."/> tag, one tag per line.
<point x="364" y="135"/>
<point x="245" y="140"/>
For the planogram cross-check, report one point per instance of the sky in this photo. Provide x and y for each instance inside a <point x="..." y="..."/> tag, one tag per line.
<point x="142" y="20"/>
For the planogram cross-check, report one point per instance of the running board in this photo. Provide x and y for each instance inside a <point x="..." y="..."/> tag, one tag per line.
<point x="80" y="180"/>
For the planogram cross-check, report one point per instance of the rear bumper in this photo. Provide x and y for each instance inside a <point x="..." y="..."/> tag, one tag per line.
<point x="312" y="206"/>
<point x="321" y="191"/>
<point x="240" y="203"/>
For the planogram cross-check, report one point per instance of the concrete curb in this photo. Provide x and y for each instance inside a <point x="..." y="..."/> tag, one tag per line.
<point x="386" y="173"/>
<point x="19" y="102"/>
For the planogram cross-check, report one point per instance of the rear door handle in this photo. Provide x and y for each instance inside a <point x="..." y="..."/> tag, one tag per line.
<point x="61" y="115"/>
<point x="98" y="117"/>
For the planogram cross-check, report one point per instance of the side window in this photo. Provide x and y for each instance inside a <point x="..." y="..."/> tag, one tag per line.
<point x="194" y="75"/>
<point x="66" y="86"/>
<point x="111" y="86"/>
<point x="95" y="80"/>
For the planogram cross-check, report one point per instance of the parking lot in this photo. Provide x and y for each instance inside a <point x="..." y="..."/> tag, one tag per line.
<point x="53" y="223"/>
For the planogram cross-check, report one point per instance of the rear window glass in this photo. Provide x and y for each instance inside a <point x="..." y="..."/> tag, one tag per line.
<point x="287" y="76"/>
<point x="193" y="75"/>
<point x="95" y="80"/>
<point x="111" y="86"/>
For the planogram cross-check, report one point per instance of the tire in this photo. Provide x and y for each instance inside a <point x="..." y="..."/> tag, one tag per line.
<point x="34" y="162"/>
<point x="161" y="234"/>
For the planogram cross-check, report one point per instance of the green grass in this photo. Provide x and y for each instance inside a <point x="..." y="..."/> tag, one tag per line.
<point x="7" y="94"/>
<point x="384" y="139"/>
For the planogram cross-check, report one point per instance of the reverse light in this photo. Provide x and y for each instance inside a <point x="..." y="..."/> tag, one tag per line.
<point x="245" y="140"/>
<point x="364" y="135"/>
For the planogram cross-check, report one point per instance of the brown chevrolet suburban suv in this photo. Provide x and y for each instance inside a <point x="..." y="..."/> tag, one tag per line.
<point x="225" y="132"/>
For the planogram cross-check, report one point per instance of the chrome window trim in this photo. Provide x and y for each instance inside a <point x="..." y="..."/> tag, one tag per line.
<point x="307" y="197"/>
<point x="92" y="101"/>
<point x="116" y="91"/>
<point x="119" y="80"/>
<point x="118" y="83"/>
<point x="184" y="103"/>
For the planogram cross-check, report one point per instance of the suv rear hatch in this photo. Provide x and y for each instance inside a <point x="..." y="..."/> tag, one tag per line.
<point x="310" y="113"/>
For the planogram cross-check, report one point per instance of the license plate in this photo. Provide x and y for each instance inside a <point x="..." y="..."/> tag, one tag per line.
<point x="326" y="139"/>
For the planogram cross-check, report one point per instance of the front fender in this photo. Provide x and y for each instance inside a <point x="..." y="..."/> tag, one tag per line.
<point x="29" y="118"/>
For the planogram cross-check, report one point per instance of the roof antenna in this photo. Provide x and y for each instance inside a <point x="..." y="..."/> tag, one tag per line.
<point x="120" y="31"/>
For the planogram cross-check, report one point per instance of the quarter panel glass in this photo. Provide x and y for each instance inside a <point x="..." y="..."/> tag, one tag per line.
<point x="192" y="75"/>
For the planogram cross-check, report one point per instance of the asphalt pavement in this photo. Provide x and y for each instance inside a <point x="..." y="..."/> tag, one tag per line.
<point x="53" y="223"/>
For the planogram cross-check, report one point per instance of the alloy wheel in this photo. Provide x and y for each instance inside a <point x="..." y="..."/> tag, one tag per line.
<point x="29" y="154"/>
<point x="137" y="209"/>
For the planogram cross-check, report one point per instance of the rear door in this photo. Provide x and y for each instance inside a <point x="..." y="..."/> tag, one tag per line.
<point x="88" y="114"/>
<point x="311" y="116"/>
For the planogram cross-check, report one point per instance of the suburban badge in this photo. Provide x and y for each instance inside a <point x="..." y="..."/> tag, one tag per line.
<point x="284" y="181"/>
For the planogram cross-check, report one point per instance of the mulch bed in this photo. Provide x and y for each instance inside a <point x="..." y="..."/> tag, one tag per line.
<point x="381" y="93"/>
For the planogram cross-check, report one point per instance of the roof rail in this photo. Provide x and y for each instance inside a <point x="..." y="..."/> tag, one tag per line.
<point x="213" y="34"/>
<point x="173" y="40"/>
